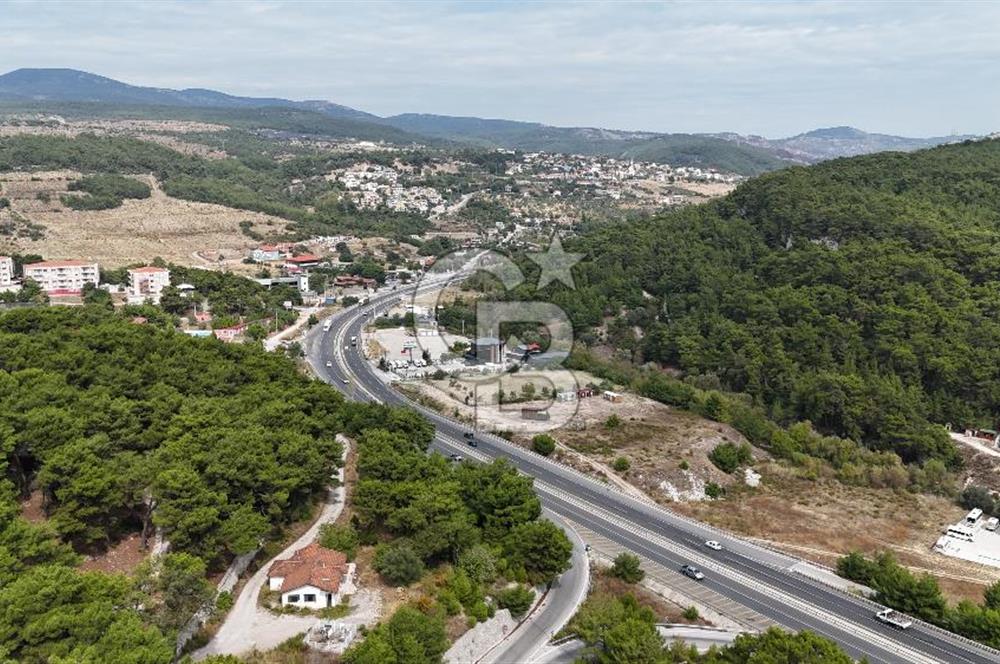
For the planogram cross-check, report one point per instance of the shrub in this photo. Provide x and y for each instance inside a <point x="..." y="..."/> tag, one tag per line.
<point x="727" y="457"/>
<point x="224" y="601"/>
<point x="974" y="496"/>
<point x="398" y="564"/>
<point x="713" y="490"/>
<point x="479" y="563"/>
<point x="544" y="444"/>
<point x="339" y="538"/>
<point x="627" y="568"/>
<point x="516" y="599"/>
<point x="613" y="422"/>
<point x="621" y="464"/>
<point x="691" y="613"/>
<point x="683" y="465"/>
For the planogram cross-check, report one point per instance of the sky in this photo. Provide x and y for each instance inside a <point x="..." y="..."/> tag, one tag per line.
<point x="773" y="69"/>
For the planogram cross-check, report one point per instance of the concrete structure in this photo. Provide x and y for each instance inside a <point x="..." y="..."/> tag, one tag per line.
<point x="6" y="270"/>
<point x="489" y="349"/>
<point x="147" y="283"/>
<point x="63" y="277"/>
<point x="313" y="578"/>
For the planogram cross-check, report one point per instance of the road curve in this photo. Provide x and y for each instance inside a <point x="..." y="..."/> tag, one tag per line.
<point x="758" y="578"/>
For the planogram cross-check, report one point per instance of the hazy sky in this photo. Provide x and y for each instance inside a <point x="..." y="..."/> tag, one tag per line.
<point x="772" y="69"/>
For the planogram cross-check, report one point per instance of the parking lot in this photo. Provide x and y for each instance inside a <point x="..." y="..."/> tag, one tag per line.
<point x="984" y="547"/>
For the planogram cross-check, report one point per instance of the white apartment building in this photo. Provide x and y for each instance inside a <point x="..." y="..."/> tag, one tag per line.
<point x="6" y="270"/>
<point x="147" y="283"/>
<point x="63" y="277"/>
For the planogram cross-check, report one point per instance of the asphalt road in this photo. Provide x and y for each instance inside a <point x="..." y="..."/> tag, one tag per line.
<point x="757" y="578"/>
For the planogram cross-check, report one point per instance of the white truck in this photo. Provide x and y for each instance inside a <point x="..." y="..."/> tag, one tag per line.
<point x="893" y="619"/>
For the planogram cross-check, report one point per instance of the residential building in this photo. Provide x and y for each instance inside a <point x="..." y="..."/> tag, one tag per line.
<point x="147" y="283"/>
<point x="269" y="253"/>
<point x="490" y="350"/>
<point x="313" y="578"/>
<point x="230" y="334"/>
<point x="302" y="262"/>
<point x="63" y="277"/>
<point x="6" y="270"/>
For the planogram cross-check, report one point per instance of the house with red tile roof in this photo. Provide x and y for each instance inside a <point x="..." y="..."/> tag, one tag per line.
<point x="313" y="578"/>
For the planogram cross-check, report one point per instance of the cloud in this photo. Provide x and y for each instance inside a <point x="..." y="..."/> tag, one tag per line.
<point x="769" y="68"/>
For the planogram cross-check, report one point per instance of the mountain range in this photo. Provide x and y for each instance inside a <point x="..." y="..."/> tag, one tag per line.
<point x="748" y="155"/>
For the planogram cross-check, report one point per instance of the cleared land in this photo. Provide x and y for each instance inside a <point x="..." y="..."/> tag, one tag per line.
<point x="184" y="232"/>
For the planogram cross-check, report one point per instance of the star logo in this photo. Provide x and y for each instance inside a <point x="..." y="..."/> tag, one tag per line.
<point x="555" y="264"/>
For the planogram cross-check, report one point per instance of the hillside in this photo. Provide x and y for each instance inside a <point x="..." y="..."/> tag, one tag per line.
<point x="859" y="294"/>
<point x="675" y="149"/>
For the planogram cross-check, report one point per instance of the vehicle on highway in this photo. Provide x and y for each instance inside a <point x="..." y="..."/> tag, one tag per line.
<point x="346" y="381"/>
<point x="354" y="341"/>
<point x="456" y="457"/>
<point x="470" y="438"/>
<point x="327" y="325"/>
<point x="894" y="619"/>
<point x="329" y="363"/>
<point x="692" y="572"/>
<point x="713" y="545"/>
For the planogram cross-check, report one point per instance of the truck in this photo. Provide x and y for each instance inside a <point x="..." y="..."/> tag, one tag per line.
<point x="893" y="619"/>
<point x="992" y="523"/>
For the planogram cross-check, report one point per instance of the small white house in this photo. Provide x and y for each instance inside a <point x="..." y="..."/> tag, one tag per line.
<point x="313" y="578"/>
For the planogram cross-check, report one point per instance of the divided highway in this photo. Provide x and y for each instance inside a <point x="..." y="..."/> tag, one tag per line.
<point x="758" y="578"/>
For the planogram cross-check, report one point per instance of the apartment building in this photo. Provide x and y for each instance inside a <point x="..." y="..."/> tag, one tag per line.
<point x="147" y="283"/>
<point x="63" y="277"/>
<point x="6" y="271"/>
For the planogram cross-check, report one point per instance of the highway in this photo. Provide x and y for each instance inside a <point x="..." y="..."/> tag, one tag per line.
<point x="755" y="577"/>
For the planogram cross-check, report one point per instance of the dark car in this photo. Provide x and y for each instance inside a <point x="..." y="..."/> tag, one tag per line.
<point x="470" y="438"/>
<point x="692" y="572"/>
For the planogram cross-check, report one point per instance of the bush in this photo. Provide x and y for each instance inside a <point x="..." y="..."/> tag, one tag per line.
<point x="479" y="563"/>
<point x="398" y="564"/>
<point x="691" y="613"/>
<point x="224" y="601"/>
<point x="974" y="496"/>
<point x="683" y="465"/>
<point x="727" y="457"/>
<point x="621" y="464"/>
<point x="516" y="599"/>
<point x="613" y="422"/>
<point x="339" y="538"/>
<point x="713" y="490"/>
<point x="627" y="568"/>
<point x="544" y="444"/>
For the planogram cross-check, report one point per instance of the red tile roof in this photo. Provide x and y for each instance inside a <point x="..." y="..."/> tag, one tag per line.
<point x="305" y="258"/>
<point x="311" y="566"/>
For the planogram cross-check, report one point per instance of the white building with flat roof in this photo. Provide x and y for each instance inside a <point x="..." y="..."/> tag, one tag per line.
<point x="63" y="277"/>
<point x="146" y="284"/>
<point x="6" y="270"/>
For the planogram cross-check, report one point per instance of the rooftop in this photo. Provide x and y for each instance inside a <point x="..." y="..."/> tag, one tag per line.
<point x="312" y="565"/>
<point x="151" y="269"/>
<point x="70" y="263"/>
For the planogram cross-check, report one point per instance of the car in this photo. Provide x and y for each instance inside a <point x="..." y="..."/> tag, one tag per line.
<point x="457" y="457"/>
<point x="469" y="435"/>
<point x="692" y="572"/>
<point x="713" y="545"/>
<point x="329" y="364"/>
<point x="346" y="381"/>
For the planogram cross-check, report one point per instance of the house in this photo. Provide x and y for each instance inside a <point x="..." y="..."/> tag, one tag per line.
<point x="229" y="334"/>
<point x="146" y="284"/>
<point x="349" y="280"/>
<point x="269" y="253"/>
<point x="613" y="397"/>
<point x="63" y="277"/>
<point x="313" y="578"/>
<point x="6" y="271"/>
<point x="302" y="262"/>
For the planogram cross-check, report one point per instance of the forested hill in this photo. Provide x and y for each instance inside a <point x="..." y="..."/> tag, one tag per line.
<point x="861" y="294"/>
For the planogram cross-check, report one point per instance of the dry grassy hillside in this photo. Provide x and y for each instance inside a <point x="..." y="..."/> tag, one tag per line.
<point x="184" y="232"/>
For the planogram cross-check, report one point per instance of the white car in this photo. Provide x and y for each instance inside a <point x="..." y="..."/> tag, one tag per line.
<point x="329" y="364"/>
<point x="713" y="545"/>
